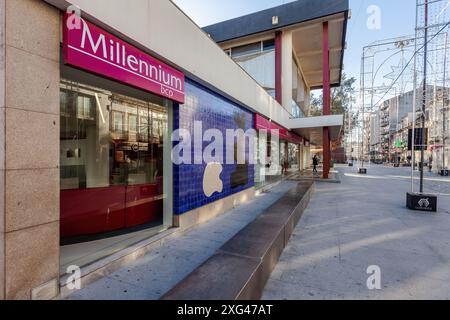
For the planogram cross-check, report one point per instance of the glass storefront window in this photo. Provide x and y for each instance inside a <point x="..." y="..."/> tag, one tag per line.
<point x="112" y="164"/>
<point x="275" y="154"/>
<point x="283" y="156"/>
<point x="270" y="170"/>
<point x="294" y="157"/>
<point x="261" y="163"/>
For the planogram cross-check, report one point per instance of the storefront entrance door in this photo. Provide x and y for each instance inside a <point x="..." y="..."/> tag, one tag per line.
<point x="138" y="160"/>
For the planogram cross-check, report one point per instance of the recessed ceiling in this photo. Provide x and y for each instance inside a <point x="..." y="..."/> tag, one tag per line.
<point x="307" y="43"/>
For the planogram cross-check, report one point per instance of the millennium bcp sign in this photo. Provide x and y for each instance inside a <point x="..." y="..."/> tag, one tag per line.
<point x="93" y="49"/>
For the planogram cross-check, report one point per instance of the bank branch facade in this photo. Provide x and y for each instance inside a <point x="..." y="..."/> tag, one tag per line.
<point x="90" y="97"/>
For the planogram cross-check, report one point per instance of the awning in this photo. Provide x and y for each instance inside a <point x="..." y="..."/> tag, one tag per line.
<point x="311" y="128"/>
<point x="262" y="123"/>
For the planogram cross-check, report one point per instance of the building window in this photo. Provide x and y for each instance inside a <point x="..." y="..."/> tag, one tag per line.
<point x="245" y="50"/>
<point x="252" y="48"/>
<point x="296" y="111"/>
<point x="132" y="125"/>
<point x="85" y="107"/>
<point x="112" y="174"/>
<point x="258" y="60"/>
<point x="118" y="123"/>
<point x="269" y="45"/>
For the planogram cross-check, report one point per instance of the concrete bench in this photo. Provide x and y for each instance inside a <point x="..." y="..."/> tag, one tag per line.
<point x="239" y="270"/>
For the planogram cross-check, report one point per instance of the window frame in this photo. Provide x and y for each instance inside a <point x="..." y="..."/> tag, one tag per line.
<point x="260" y="44"/>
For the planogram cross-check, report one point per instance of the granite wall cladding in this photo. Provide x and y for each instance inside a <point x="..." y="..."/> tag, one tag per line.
<point x="215" y="112"/>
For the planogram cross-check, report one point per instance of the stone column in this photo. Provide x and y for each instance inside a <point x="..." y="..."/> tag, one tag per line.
<point x="279" y="67"/>
<point x="29" y="145"/>
<point x="2" y="149"/>
<point x="287" y="62"/>
<point x="326" y="99"/>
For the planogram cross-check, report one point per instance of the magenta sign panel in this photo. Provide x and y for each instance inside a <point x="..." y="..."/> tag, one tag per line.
<point x="262" y="123"/>
<point x="91" y="48"/>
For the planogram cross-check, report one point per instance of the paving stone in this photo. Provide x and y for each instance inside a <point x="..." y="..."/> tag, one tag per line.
<point x="359" y="223"/>
<point x="154" y="274"/>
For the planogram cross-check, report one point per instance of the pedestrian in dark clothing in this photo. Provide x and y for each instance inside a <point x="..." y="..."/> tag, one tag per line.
<point x="315" y="164"/>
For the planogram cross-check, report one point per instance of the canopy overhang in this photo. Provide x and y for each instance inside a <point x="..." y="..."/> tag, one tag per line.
<point x="307" y="42"/>
<point x="311" y="128"/>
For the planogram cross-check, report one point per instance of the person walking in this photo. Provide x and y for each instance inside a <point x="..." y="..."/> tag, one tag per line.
<point x="284" y="165"/>
<point x="315" y="163"/>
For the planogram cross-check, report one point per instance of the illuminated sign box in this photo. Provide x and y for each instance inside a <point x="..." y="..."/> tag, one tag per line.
<point x="91" y="48"/>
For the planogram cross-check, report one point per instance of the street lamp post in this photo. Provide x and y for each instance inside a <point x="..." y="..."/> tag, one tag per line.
<point x="424" y="99"/>
<point x="420" y="201"/>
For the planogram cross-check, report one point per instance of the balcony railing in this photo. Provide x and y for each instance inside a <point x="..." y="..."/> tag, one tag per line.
<point x="297" y="112"/>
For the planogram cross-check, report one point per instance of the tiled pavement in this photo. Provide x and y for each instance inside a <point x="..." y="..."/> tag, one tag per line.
<point x="153" y="275"/>
<point x="359" y="223"/>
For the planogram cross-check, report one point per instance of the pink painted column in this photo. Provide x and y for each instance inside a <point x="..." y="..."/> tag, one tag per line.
<point x="326" y="100"/>
<point x="278" y="67"/>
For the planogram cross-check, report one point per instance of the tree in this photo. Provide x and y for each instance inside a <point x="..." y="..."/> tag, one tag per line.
<point x="341" y="98"/>
<point x="315" y="109"/>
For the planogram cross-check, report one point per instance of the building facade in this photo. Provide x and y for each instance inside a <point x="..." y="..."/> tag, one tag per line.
<point x="438" y="122"/>
<point x="97" y="176"/>
<point x="289" y="59"/>
<point x="375" y="137"/>
<point x="394" y="120"/>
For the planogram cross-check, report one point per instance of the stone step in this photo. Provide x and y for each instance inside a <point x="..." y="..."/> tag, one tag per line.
<point x="240" y="269"/>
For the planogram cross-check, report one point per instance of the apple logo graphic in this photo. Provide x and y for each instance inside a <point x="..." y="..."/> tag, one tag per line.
<point x="211" y="179"/>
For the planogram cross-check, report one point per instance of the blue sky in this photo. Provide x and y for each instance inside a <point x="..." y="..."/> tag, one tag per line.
<point x="397" y="19"/>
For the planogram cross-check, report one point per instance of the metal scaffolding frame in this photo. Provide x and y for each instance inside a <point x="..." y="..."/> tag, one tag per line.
<point x="420" y="67"/>
<point x="429" y="110"/>
<point x="387" y="51"/>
